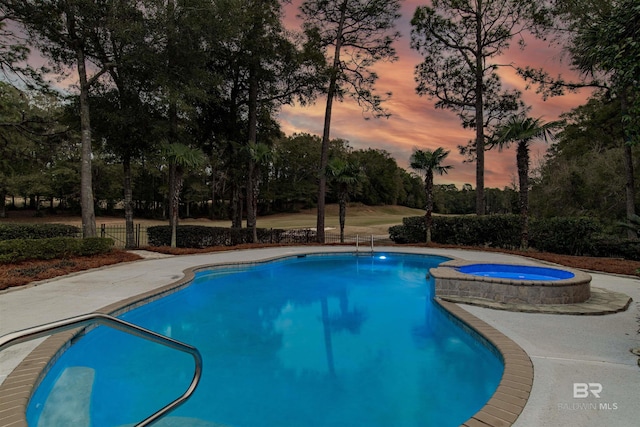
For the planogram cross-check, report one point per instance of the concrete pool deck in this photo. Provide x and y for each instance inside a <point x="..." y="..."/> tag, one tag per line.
<point x="571" y="354"/>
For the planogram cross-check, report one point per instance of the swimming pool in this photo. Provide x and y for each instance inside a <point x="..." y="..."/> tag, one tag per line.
<point x="314" y="341"/>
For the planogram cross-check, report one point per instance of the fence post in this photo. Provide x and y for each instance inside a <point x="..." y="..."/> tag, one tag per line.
<point x="372" y="243"/>
<point x="103" y="230"/>
<point x="357" y="241"/>
<point x="138" y="230"/>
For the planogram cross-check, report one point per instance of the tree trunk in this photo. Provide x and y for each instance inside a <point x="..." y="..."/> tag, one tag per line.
<point x="172" y="113"/>
<point x="173" y="215"/>
<point x="630" y="191"/>
<point x="629" y="188"/>
<point x="479" y="72"/>
<point x="128" y="203"/>
<point x="175" y="187"/>
<point x="86" y="179"/>
<point x="236" y="214"/>
<point x="428" y="220"/>
<point x="235" y="176"/>
<point x="251" y="167"/>
<point x="3" y="204"/>
<point x="240" y="208"/>
<point x="251" y="217"/>
<point x="212" y="212"/>
<point x="343" y="213"/>
<point x="324" y="154"/>
<point x="522" y="161"/>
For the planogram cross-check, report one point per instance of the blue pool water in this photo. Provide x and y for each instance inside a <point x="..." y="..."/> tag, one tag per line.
<point x="505" y="271"/>
<point x="331" y="340"/>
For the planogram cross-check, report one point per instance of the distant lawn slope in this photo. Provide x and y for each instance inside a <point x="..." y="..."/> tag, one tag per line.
<point x="361" y="219"/>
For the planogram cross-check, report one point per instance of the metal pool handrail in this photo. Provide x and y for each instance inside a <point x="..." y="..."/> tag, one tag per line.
<point x="84" y="320"/>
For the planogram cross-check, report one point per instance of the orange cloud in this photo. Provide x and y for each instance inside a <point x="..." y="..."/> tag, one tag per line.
<point x="415" y="123"/>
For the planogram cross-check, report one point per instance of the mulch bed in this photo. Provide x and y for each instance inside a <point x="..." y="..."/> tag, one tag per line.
<point x="23" y="273"/>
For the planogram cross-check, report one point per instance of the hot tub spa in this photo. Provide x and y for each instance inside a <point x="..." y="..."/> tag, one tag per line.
<point x="511" y="283"/>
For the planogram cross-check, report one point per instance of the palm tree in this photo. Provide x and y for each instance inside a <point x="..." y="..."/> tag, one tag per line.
<point x="345" y="176"/>
<point x="179" y="157"/>
<point x="429" y="162"/>
<point x="523" y="130"/>
<point x="260" y="155"/>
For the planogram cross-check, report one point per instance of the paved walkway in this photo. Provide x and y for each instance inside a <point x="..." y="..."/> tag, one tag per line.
<point x="565" y="350"/>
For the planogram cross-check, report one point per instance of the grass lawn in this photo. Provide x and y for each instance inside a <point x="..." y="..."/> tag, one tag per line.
<point x="361" y="219"/>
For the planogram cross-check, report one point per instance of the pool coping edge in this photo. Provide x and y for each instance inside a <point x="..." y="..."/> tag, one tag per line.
<point x="510" y="397"/>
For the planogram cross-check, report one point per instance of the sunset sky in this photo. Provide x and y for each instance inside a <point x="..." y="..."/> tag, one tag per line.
<point x="415" y="123"/>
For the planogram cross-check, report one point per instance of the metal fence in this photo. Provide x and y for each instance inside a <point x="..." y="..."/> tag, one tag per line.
<point x="357" y="239"/>
<point x="119" y="235"/>
<point x="295" y="236"/>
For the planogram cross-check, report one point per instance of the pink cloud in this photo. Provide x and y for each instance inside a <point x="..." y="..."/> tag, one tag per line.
<point x="415" y="123"/>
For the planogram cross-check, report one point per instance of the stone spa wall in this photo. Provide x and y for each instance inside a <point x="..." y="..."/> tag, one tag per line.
<point x="449" y="282"/>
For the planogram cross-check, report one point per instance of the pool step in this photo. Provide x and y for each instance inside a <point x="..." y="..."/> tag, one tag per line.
<point x="69" y="402"/>
<point x="181" y="422"/>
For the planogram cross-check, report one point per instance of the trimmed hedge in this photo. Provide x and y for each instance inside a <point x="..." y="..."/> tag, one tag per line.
<point x="200" y="236"/>
<point x="56" y="247"/>
<point x="496" y="231"/>
<point x="572" y="236"/>
<point x="37" y="231"/>
<point x="401" y="234"/>
<point x="500" y="231"/>
<point x="565" y="235"/>
<point x="616" y="247"/>
<point x="95" y="246"/>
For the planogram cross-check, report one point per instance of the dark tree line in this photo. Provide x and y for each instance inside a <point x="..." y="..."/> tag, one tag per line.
<point x="45" y="171"/>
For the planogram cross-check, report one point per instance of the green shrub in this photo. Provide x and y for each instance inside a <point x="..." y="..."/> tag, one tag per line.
<point x="401" y="234"/>
<point x="412" y="230"/>
<point x="616" y="247"/>
<point x="454" y="230"/>
<point x="501" y="231"/>
<point x="37" y="231"/>
<point x="95" y="246"/>
<point x="571" y="236"/>
<point x="200" y="236"/>
<point x="565" y="235"/>
<point x="498" y="231"/>
<point x="13" y="250"/>
<point x="57" y="247"/>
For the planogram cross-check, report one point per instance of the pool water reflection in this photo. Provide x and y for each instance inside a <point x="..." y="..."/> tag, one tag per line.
<point x="326" y="340"/>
